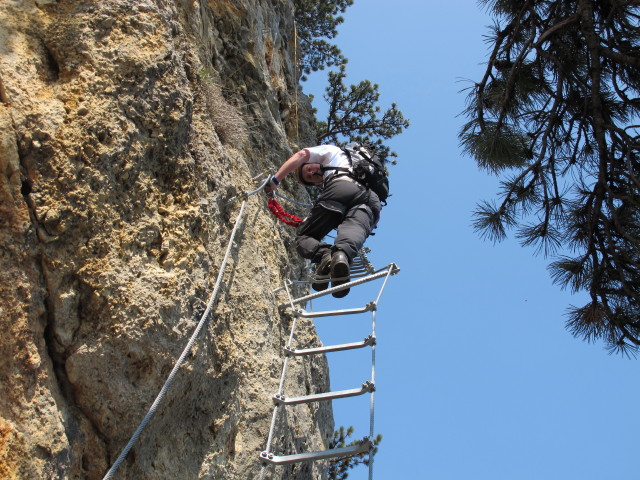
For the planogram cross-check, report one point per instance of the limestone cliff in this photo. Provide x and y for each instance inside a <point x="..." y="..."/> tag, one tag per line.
<point x="125" y="125"/>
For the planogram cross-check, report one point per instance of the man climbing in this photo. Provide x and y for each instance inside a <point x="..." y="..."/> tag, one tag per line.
<point x="344" y="204"/>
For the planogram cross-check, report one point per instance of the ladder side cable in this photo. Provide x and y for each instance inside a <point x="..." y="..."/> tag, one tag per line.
<point x="373" y="370"/>
<point x="279" y="398"/>
<point x="285" y="363"/>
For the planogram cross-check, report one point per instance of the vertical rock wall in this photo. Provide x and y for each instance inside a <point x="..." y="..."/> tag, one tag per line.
<point x="125" y="125"/>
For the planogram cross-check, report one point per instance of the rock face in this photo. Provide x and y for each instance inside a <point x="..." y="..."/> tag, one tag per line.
<point x="125" y="126"/>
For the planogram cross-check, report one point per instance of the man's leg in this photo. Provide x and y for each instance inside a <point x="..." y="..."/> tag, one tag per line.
<point x="310" y="233"/>
<point x="354" y="230"/>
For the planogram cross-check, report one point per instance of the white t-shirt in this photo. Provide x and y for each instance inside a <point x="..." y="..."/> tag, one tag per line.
<point x="328" y="156"/>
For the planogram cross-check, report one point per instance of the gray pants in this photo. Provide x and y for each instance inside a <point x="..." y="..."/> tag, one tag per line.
<point x="346" y="206"/>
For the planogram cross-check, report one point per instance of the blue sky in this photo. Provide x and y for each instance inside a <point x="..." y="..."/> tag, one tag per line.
<point x="476" y="375"/>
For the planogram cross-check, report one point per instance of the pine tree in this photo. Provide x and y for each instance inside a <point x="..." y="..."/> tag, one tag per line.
<point x="354" y="114"/>
<point x="339" y="468"/>
<point x="317" y="20"/>
<point x="556" y="117"/>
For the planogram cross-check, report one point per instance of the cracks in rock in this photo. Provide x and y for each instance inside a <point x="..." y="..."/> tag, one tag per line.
<point x="27" y="182"/>
<point x="83" y="435"/>
<point x="51" y="64"/>
<point x="26" y="188"/>
<point x="78" y="423"/>
<point x="3" y="93"/>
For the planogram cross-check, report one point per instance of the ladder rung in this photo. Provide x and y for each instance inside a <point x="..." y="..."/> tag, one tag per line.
<point x="318" y="397"/>
<point x="330" y="313"/>
<point x="358" y="270"/>
<point x="364" y="447"/>
<point x="353" y="274"/>
<point x="370" y="340"/>
<point x="392" y="269"/>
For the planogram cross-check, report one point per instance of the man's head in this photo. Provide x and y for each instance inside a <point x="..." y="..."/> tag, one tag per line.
<point x="309" y="174"/>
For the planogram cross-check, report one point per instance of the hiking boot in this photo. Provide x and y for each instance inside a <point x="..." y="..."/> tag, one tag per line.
<point x="339" y="272"/>
<point x="321" y="273"/>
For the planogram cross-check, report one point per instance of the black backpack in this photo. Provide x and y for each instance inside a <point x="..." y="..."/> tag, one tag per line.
<point x="367" y="169"/>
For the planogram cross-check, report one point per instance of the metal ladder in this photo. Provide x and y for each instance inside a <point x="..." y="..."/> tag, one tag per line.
<point x="361" y="272"/>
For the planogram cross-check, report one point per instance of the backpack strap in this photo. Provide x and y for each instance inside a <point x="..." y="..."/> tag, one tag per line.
<point x="348" y="154"/>
<point x="339" y="171"/>
<point x="344" y="171"/>
<point x="336" y="169"/>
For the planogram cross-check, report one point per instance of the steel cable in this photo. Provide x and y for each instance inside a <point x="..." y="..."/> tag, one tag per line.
<point x="185" y="352"/>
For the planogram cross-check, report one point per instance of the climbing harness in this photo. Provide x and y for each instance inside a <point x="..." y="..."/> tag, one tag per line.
<point x="363" y="272"/>
<point x="281" y="215"/>
<point x="274" y="206"/>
